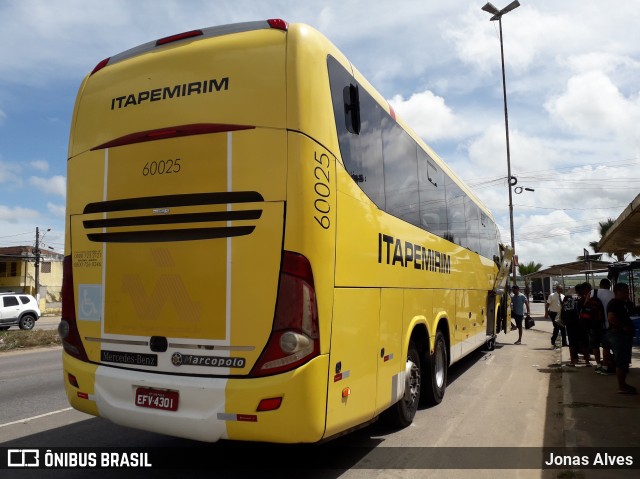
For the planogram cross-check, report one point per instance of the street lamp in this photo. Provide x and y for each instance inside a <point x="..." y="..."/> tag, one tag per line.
<point x="497" y="15"/>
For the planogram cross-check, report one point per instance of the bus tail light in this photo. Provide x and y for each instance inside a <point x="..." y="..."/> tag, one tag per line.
<point x="100" y="66"/>
<point x="68" y="327"/>
<point x="270" y="404"/>
<point x="178" y="37"/>
<point x="172" y="132"/>
<point x="294" y="337"/>
<point x="278" y="24"/>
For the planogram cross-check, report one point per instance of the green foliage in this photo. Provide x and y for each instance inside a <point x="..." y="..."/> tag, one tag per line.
<point x="531" y="267"/>
<point x="603" y="227"/>
<point x="525" y="269"/>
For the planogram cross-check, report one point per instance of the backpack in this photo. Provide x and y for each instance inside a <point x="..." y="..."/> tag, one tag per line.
<point x="569" y="304"/>
<point x="592" y="313"/>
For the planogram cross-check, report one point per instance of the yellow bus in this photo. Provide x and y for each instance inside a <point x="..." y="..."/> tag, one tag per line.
<point x="258" y="249"/>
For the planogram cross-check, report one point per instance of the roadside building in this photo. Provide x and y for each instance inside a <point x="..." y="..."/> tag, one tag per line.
<point x="18" y="273"/>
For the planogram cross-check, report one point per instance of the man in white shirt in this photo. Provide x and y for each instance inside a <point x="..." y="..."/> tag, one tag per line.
<point x="552" y="307"/>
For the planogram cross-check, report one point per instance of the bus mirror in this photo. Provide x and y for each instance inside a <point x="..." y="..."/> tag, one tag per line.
<point x="352" y="108"/>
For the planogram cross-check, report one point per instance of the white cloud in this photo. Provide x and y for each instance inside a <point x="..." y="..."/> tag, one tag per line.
<point x="429" y="116"/>
<point x="38" y="43"/>
<point x="488" y="152"/>
<point x="56" y="210"/>
<point x="40" y="165"/>
<point x="9" y="173"/>
<point x="592" y="105"/>
<point x="56" y="185"/>
<point x="16" y="214"/>
<point x="600" y="61"/>
<point x="527" y="33"/>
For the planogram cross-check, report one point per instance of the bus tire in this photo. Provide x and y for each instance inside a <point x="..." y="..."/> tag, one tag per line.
<point x="436" y="367"/>
<point x="401" y="414"/>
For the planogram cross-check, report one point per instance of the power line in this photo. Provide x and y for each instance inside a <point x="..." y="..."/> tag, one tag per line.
<point x="569" y="209"/>
<point x="552" y="175"/>
<point x="17" y="234"/>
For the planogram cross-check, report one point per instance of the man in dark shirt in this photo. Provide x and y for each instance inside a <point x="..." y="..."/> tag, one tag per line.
<point x="620" y="334"/>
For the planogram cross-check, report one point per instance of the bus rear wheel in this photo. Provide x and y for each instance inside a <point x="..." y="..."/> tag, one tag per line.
<point x="401" y="414"/>
<point x="436" y="366"/>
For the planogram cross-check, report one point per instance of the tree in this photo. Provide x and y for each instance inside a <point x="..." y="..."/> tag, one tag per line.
<point x="524" y="270"/>
<point x="604" y="226"/>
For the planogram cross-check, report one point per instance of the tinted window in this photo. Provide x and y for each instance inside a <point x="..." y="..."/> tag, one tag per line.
<point x="456" y="219"/>
<point x="489" y="237"/>
<point x="472" y="218"/>
<point x="433" y="205"/>
<point x="24" y="299"/>
<point x="400" y="172"/>
<point x="10" y="301"/>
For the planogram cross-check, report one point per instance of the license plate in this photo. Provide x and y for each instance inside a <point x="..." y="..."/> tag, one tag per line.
<point x="157" y="399"/>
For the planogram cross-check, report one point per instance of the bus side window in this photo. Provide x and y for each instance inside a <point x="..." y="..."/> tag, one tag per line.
<point x="400" y="172"/>
<point x="456" y="219"/>
<point x="433" y="205"/>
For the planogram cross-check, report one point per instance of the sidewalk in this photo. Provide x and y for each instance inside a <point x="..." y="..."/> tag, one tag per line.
<point x="595" y="415"/>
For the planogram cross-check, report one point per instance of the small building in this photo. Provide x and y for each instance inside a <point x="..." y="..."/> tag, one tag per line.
<point x="18" y="273"/>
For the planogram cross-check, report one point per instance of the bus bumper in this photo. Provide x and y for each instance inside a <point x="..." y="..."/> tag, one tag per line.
<point x="210" y="409"/>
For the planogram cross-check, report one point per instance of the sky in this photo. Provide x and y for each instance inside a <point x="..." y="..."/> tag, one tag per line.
<point x="572" y="70"/>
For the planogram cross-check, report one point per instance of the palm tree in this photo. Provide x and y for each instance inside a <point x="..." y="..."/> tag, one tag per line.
<point x="604" y="226"/>
<point x="524" y="270"/>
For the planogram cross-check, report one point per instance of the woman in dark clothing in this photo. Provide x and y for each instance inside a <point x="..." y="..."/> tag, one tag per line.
<point x="620" y="334"/>
<point x="576" y="331"/>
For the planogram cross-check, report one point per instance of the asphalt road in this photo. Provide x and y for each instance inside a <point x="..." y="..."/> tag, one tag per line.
<point x="30" y="384"/>
<point x="47" y="322"/>
<point x="500" y="399"/>
<point x="44" y="322"/>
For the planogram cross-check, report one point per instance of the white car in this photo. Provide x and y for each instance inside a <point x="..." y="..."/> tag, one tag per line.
<point x="17" y="309"/>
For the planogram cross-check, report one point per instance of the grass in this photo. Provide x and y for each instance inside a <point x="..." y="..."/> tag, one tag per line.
<point x="17" y="339"/>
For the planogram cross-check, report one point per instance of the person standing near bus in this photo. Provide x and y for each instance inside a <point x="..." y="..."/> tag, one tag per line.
<point x="598" y="338"/>
<point x="518" y="302"/>
<point x="553" y="307"/>
<point x="620" y="334"/>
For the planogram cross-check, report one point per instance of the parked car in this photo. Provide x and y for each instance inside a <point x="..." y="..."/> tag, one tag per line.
<point x="17" y="309"/>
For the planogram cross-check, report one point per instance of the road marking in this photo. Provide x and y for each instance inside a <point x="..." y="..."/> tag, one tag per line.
<point x="22" y="421"/>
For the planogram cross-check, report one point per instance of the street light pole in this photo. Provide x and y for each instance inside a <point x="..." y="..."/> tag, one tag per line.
<point x="37" y="255"/>
<point x="497" y="15"/>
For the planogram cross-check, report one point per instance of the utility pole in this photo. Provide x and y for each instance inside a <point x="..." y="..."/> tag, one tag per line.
<point x="37" y="254"/>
